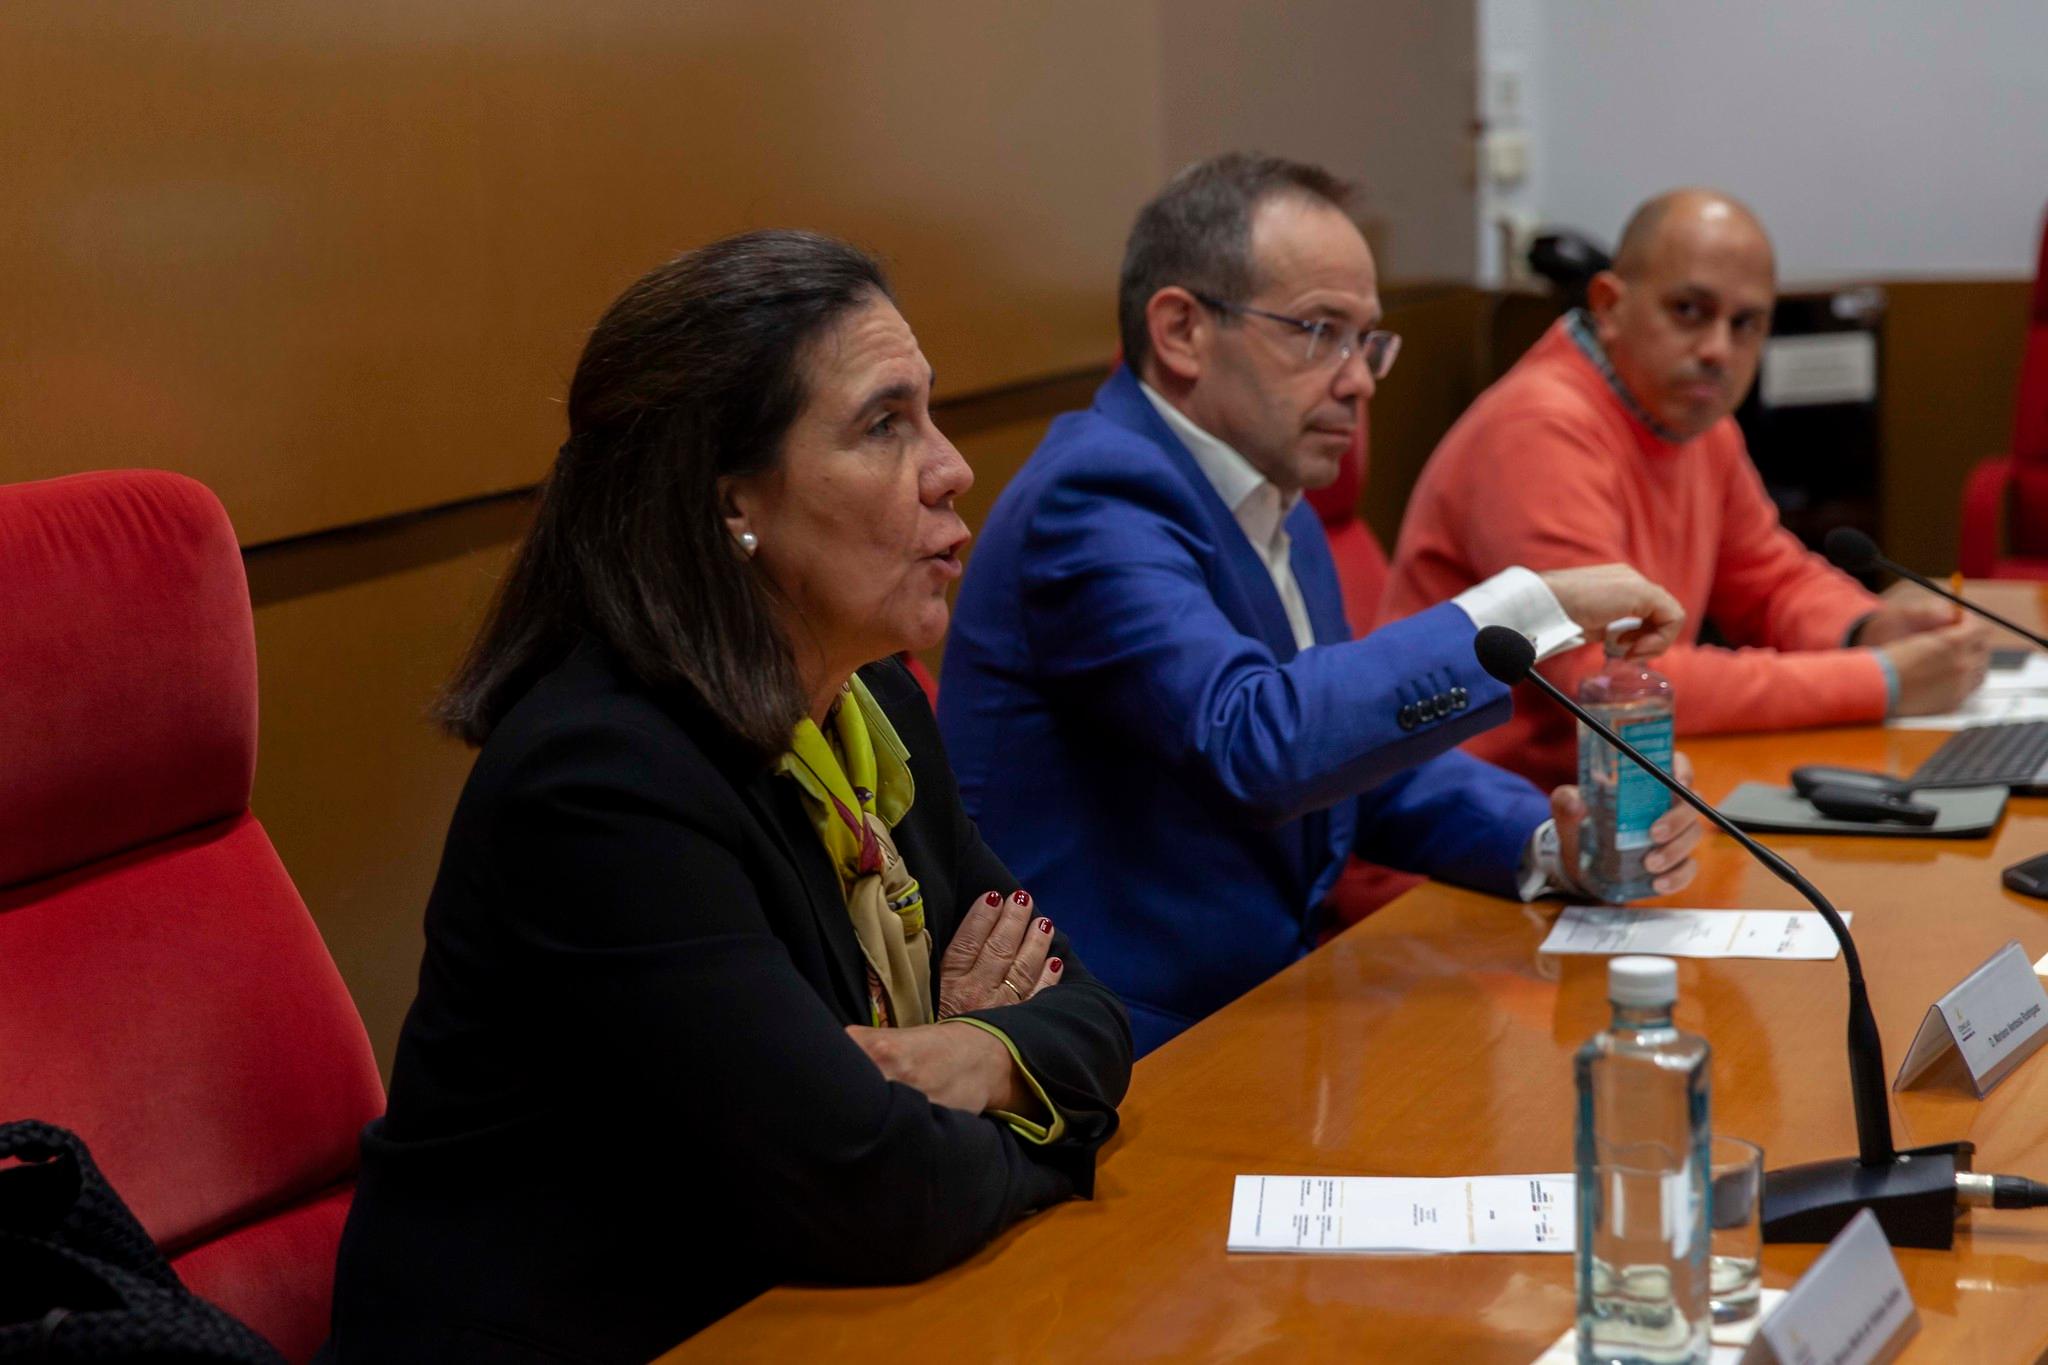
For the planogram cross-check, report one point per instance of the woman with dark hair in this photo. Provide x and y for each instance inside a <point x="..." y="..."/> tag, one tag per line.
<point x="721" y="987"/>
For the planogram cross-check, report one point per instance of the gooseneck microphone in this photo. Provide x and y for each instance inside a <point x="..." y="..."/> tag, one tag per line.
<point x="1915" y="1194"/>
<point x="1850" y="550"/>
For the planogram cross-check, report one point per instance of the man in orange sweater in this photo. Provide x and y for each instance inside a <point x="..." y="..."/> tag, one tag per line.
<point x="1613" y="440"/>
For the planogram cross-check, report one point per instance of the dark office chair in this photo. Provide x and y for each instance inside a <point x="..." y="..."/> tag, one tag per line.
<point x="1569" y="261"/>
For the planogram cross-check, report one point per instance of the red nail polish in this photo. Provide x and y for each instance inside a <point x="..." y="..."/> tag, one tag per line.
<point x="1055" y="964"/>
<point x="994" y="898"/>
<point x="1044" y="925"/>
<point x="1022" y="898"/>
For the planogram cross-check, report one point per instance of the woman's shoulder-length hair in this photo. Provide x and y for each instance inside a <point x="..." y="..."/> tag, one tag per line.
<point x="692" y="376"/>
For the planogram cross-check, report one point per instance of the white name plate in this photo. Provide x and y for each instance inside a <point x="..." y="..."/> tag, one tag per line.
<point x="1997" y="1017"/>
<point x="1851" y="1307"/>
<point x="1435" y="1215"/>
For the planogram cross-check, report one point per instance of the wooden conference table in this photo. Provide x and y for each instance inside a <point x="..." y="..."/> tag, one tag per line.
<point x="1431" y="1039"/>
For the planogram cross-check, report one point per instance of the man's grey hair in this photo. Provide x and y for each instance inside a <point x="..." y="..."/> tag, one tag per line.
<point x="1196" y="233"/>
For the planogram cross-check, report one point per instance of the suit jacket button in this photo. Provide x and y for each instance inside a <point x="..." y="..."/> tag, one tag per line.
<point x="1460" y="698"/>
<point x="1407" y="716"/>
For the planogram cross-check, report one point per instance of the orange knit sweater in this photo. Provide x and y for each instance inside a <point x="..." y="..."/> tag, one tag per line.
<point x="1548" y="469"/>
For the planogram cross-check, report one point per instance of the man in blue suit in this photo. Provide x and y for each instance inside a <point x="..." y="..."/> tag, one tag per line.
<point x="1152" y="700"/>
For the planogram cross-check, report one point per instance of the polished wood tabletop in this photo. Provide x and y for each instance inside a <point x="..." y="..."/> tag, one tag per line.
<point x="1433" y="1039"/>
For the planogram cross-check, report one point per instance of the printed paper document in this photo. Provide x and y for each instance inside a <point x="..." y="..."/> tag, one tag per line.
<point x="2007" y="696"/>
<point x="1401" y="1213"/>
<point x="1794" y="935"/>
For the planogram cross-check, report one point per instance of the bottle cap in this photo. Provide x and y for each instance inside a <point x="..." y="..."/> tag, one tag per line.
<point x="1642" y="981"/>
<point x="1617" y="648"/>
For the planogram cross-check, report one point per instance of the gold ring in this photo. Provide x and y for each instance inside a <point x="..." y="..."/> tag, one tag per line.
<point x="1015" y="994"/>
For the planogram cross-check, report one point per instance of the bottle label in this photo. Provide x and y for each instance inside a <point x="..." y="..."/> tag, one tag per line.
<point x="1638" y="797"/>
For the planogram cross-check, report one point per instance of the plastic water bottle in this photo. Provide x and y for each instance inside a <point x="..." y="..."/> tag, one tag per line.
<point x="1641" y="1153"/>
<point x="1622" y="801"/>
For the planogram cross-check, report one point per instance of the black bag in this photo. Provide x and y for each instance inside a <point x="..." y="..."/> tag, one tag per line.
<point x="79" y="1278"/>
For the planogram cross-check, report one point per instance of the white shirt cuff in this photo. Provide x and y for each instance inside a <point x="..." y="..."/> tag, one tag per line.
<point x="1543" y="872"/>
<point x="1518" y="599"/>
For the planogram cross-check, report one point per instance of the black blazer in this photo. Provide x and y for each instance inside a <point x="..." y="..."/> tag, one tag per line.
<point x="623" y="1102"/>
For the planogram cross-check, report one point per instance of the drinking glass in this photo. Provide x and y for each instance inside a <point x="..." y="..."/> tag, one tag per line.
<point x="1736" y="1196"/>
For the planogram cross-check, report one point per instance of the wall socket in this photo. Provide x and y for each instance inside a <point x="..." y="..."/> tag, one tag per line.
<point x="1506" y="157"/>
<point x="1504" y="94"/>
<point x="1515" y="232"/>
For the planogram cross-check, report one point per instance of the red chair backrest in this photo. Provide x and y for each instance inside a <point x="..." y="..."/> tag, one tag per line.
<point x="924" y="677"/>
<point x="2029" y="512"/>
<point x="1361" y="562"/>
<point x="163" y="991"/>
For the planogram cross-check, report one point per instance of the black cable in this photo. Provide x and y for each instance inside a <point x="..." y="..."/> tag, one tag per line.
<point x="2017" y="1192"/>
<point x="1978" y="1190"/>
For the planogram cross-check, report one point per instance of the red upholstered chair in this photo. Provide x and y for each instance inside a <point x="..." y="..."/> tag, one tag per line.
<point x="924" y="677"/>
<point x="1363" y="887"/>
<point x="2005" y="502"/>
<point x="1361" y="563"/>
<point x="163" y="991"/>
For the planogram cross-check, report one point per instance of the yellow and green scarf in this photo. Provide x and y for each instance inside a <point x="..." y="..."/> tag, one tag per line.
<point x="857" y="787"/>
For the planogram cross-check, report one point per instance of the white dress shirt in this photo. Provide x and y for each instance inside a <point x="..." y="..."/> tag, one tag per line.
<point x="1514" y="597"/>
<point x="1260" y="508"/>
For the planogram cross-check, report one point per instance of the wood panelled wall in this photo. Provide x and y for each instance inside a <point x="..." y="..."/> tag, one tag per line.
<point x="1949" y="374"/>
<point x="336" y="261"/>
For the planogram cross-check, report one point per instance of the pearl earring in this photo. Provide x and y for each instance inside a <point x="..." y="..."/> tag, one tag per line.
<point x="749" y="542"/>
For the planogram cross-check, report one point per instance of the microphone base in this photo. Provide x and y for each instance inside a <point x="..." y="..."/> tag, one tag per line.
<point x="1913" y="1196"/>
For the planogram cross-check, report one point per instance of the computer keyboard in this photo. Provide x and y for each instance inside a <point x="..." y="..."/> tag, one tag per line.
<point x="1989" y="756"/>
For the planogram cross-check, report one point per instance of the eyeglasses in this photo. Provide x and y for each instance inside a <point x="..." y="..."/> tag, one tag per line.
<point x="1326" y="338"/>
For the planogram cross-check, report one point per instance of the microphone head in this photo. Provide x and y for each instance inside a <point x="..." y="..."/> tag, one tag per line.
<point x="1505" y="653"/>
<point x="1850" y="550"/>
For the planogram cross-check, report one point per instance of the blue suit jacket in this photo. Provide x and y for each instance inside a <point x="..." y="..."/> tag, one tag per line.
<point x="1142" y="743"/>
